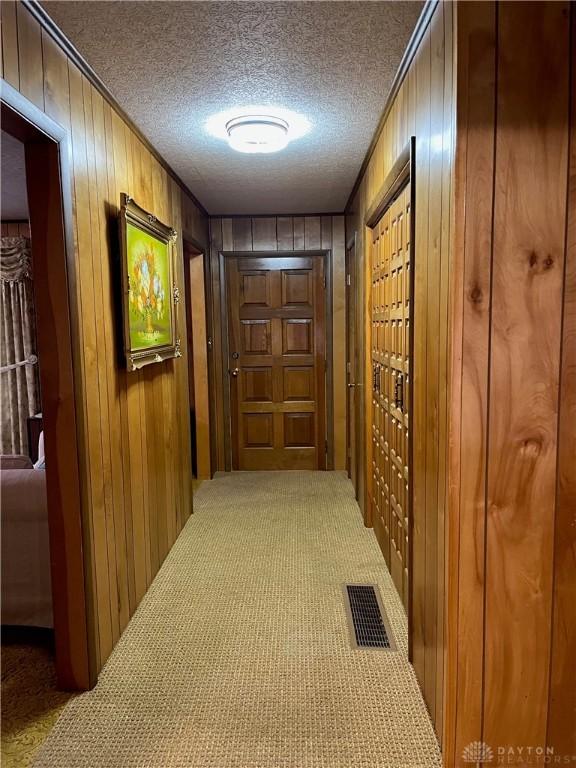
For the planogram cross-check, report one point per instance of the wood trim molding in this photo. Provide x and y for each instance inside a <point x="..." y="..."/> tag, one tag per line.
<point x="406" y="61"/>
<point x="46" y="22"/>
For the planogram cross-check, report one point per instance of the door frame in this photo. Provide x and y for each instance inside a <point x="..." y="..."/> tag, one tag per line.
<point x="48" y="155"/>
<point x="326" y="255"/>
<point x="192" y="249"/>
<point x="353" y="430"/>
<point x="403" y="172"/>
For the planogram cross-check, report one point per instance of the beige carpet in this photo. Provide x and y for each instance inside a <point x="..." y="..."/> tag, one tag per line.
<point x="239" y="656"/>
<point x="30" y="701"/>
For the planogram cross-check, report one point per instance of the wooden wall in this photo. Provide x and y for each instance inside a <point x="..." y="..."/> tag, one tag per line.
<point x="423" y="107"/>
<point x="513" y="469"/>
<point x="15" y="229"/>
<point x="134" y="446"/>
<point x="284" y="233"/>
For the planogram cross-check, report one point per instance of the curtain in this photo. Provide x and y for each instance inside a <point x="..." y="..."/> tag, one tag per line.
<point x="19" y="384"/>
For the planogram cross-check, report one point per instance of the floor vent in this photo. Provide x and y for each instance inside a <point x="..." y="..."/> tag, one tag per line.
<point x="369" y="627"/>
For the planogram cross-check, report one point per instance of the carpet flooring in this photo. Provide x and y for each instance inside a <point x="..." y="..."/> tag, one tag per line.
<point x="30" y="703"/>
<point x="239" y="656"/>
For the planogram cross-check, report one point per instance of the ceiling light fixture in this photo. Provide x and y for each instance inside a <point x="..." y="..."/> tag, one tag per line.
<point x="257" y="133"/>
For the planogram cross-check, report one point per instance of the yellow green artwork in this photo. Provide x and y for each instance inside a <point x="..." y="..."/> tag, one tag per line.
<point x="149" y="289"/>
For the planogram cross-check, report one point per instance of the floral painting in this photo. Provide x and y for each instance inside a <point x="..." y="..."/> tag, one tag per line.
<point x="149" y="273"/>
<point x="149" y="289"/>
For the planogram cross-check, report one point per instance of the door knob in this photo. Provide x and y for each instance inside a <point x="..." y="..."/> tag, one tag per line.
<point x="351" y="385"/>
<point x="235" y="372"/>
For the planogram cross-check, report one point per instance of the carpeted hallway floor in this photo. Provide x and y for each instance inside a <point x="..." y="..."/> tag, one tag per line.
<point x="239" y="656"/>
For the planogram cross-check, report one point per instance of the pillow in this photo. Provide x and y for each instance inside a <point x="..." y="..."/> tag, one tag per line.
<point x="41" y="462"/>
<point x="16" y="462"/>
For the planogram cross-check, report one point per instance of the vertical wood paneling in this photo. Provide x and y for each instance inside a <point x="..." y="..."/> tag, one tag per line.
<point x="135" y="474"/>
<point x="56" y="102"/>
<point x="298" y="223"/>
<point x="562" y="705"/>
<point x="529" y="232"/>
<point x="30" y="57"/>
<point x="285" y="233"/>
<point x="448" y="124"/>
<point x="264" y="237"/>
<point x="474" y="182"/>
<point x="421" y="246"/>
<point x="10" y="43"/>
<point x="312" y="234"/>
<point x="513" y="633"/>
<point x="242" y="234"/>
<point x="15" y="228"/>
<point x="93" y="116"/>
<point x="433" y="356"/>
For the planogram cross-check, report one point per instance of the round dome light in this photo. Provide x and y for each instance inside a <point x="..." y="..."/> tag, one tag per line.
<point x="257" y="133"/>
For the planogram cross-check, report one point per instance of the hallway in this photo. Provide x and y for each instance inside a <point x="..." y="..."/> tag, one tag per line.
<point x="239" y="655"/>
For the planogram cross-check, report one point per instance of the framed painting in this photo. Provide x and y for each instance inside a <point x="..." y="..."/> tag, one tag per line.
<point x="149" y="291"/>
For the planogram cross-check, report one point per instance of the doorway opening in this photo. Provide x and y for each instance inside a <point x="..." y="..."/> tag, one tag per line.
<point x="51" y="435"/>
<point x="195" y="281"/>
<point x="389" y="355"/>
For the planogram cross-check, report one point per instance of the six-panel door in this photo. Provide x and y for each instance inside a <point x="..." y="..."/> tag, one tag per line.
<point x="276" y="346"/>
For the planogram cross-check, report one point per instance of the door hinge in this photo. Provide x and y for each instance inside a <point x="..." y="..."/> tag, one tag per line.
<point x="324" y="281"/>
<point x="348" y="367"/>
<point x="325" y="446"/>
<point x="348" y="280"/>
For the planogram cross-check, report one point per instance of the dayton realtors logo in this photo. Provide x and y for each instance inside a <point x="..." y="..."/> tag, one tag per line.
<point x="478" y="753"/>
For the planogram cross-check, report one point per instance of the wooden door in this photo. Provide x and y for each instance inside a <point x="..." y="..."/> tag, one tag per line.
<point x="391" y="368"/>
<point x="196" y="327"/>
<point x="351" y="427"/>
<point x="276" y="361"/>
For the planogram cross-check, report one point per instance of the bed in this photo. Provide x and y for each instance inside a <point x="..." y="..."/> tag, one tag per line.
<point x="26" y="587"/>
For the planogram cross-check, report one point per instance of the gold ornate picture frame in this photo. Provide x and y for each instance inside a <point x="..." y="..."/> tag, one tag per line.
<point x="149" y="291"/>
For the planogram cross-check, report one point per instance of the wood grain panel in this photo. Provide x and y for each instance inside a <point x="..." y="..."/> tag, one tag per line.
<point x="15" y="229"/>
<point x="474" y="182"/>
<point x="135" y="477"/>
<point x="264" y="236"/>
<point x="561" y="734"/>
<point x="421" y="343"/>
<point x="242" y="234"/>
<point x="10" y="65"/>
<point x="285" y="233"/>
<point x="30" y="57"/>
<point x="529" y="231"/>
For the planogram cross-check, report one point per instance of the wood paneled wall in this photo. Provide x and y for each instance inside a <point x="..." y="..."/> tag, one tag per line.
<point x="15" y="229"/>
<point x="134" y="445"/>
<point x="283" y="233"/>
<point x="423" y="107"/>
<point x="513" y="417"/>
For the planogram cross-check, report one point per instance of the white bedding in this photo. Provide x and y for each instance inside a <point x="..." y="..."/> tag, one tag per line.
<point x="26" y="588"/>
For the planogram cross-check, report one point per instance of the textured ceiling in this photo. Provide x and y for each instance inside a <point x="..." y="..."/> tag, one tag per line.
<point x="172" y="65"/>
<point x="14" y="201"/>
